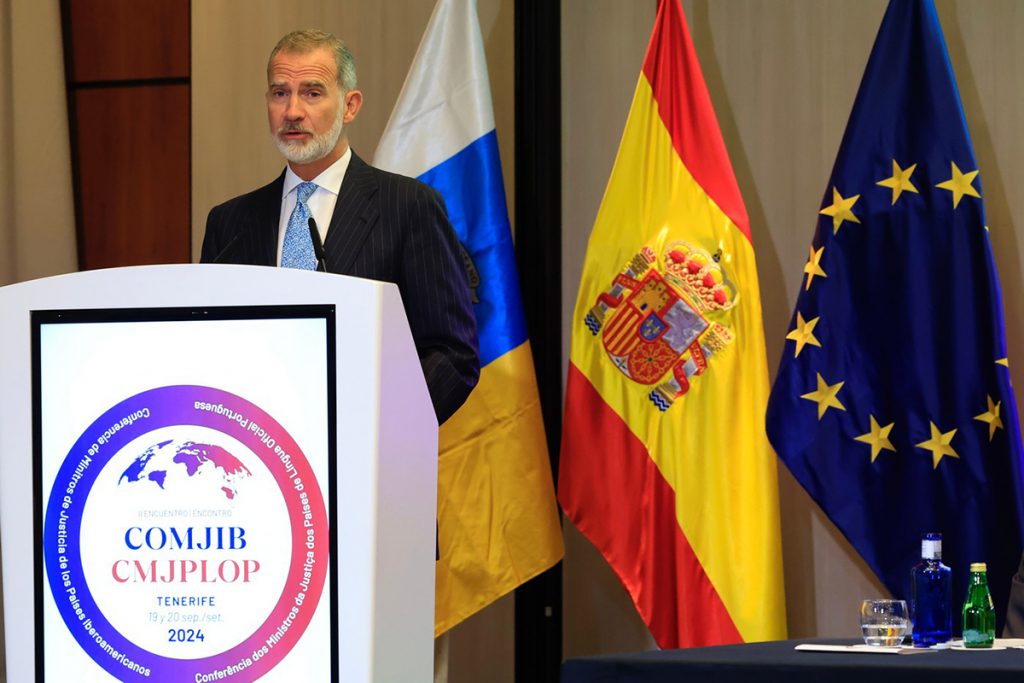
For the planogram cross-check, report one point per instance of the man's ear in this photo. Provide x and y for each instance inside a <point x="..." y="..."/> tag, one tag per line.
<point x="353" y="103"/>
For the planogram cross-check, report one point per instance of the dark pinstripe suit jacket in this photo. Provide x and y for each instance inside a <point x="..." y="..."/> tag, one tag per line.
<point x="385" y="227"/>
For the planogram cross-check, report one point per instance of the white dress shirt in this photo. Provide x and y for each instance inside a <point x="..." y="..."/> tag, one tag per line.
<point x="321" y="202"/>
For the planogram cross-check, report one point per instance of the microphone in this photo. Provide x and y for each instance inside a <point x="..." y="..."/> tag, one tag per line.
<point x="318" y="246"/>
<point x="228" y="249"/>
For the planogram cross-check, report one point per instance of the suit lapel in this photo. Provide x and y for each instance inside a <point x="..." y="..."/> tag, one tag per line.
<point x="355" y="215"/>
<point x="267" y="219"/>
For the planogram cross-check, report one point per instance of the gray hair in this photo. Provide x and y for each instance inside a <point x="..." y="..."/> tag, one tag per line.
<point x="307" y="40"/>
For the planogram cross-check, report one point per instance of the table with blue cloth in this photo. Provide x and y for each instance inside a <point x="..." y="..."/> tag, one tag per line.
<point x="778" y="661"/>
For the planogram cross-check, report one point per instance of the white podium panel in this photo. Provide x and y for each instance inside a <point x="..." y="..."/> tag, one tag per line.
<point x="214" y="473"/>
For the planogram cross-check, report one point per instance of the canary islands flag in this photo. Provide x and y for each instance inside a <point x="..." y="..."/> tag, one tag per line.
<point x="665" y="466"/>
<point x="497" y="517"/>
<point x="893" y="404"/>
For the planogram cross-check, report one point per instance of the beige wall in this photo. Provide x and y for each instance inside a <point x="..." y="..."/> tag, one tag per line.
<point x="783" y="75"/>
<point x="37" y="229"/>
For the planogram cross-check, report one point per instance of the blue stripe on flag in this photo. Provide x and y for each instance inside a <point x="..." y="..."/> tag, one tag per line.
<point x="472" y="187"/>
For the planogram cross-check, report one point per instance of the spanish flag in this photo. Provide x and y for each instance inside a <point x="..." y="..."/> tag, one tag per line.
<point x="665" y="466"/>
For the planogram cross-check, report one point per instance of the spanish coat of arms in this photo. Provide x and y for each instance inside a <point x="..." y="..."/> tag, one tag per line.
<point x="658" y="326"/>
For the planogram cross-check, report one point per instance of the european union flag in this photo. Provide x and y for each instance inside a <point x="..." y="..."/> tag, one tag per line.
<point x="893" y="404"/>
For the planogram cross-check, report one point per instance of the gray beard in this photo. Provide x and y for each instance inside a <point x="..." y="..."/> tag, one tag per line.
<point x="298" y="152"/>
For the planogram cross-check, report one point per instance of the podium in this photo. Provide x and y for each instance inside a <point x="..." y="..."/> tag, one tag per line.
<point x="214" y="472"/>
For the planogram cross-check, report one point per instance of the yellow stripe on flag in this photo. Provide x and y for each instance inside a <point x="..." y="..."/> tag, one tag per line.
<point x="496" y="499"/>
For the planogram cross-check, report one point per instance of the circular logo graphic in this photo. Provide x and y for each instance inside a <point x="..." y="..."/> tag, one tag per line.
<point x="186" y="538"/>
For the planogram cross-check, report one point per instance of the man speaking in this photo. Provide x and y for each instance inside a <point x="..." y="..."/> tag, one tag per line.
<point x="371" y="224"/>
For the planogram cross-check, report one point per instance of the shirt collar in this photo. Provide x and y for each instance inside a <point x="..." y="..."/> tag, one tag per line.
<point x="330" y="179"/>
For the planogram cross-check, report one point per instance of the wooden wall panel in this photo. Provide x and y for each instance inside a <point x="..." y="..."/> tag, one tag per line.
<point x="116" y="40"/>
<point x="129" y="84"/>
<point x="133" y="175"/>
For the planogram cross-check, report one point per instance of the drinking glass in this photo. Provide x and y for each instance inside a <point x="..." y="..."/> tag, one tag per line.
<point x="883" y="622"/>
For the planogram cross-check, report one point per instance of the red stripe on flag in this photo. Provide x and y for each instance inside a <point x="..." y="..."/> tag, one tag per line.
<point x="612" y="491"/>
<point x="672" y="69"/>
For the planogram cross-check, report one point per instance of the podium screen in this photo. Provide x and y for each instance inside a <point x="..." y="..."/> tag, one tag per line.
<point x="184" y="494"/>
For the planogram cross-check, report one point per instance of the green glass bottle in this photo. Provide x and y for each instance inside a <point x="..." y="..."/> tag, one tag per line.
<point x="979" y="612"/>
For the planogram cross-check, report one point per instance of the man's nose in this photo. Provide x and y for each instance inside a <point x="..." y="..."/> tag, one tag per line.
<point x="293" y="110"/>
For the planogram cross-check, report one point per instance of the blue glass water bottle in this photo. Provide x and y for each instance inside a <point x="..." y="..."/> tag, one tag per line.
<point x="931" y="598"/>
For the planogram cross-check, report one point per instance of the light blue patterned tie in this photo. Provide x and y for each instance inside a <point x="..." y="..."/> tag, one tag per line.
<point x="298" y="247"/>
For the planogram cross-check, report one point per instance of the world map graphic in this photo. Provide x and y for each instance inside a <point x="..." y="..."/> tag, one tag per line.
<point x="197" y="460"/>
